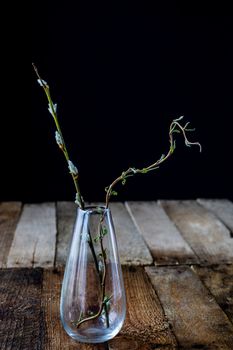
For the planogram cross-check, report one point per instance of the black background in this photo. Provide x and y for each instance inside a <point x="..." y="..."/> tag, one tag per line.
<point x="119" y="76"/>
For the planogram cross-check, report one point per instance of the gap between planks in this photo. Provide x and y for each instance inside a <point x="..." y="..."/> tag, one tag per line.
<point x="196" y="319"/>
<point x="131" y="245"/>
<point x="9" y="217"/>
<point x="66" y="215"/>
<point x="145" y="326"/>
<point x="165" y="242"/>
<point x="206" y="235"/>
<point x="34" y="240"/>
<point x="219" y="281"/>
<point x="222" y="208"/>
<point x="193" y="313"/>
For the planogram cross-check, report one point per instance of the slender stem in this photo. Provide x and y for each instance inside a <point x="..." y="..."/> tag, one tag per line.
<point x="103" y="282"/>
<point x="105" y="270"/>
<point x="63" y="146"/>
<point x="106" y="314"/>
<point x="98" y="271"/>
<point x="90" y="242"/>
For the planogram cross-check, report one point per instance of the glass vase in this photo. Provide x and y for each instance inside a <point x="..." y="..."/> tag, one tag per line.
<point x="93" y="303"/>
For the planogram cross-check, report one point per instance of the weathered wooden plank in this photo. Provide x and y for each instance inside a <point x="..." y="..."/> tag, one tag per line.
<point x="57" y="339"/>
<point x="162" y="237"/>
<point x="9" y="216"/>
<point x="222" y="208"/>
<point x="125" y="343"/>
<point x="66" y="215"/>
<point x="206" y="235"/>
<point x="35" y="237"/>
<point x="21" y="325"/>
<point x="196" y="318"/>
<point x="145" y="321"/>
<point x="219" y="280"/>
<point x="132" y="248"/>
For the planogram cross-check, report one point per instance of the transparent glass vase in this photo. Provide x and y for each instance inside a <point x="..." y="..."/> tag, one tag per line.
<point x="93" y="297"/>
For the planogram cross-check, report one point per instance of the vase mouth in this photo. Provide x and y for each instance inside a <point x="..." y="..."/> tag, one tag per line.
<point x="94" y="209"/>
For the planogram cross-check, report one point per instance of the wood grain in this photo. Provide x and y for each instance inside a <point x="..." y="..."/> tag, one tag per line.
<point x="22" y="325"/>
<point x="126" y="343"/>
<point x="219" y="280"/>
<point x="66" y="215"/>
<point x="57" y="339"/>
<point x="196" y="318"/>
<point x="145" y="320"/>
<point x="162" y="237"/>
<point x="206" y="235"/>
<point x="9" y="216"/>
<point x="35" y="237"/>
<point x="222" y="208"/>
<point x="145" y="325"/>
<point x="197" y="300"/>
<point x="132" y="248"/>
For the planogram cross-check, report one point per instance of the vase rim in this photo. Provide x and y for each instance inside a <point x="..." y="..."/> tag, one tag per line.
<point x="95" y="209"/>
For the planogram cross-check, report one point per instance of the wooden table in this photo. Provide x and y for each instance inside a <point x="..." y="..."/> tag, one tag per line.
<point x="177" y="259"/>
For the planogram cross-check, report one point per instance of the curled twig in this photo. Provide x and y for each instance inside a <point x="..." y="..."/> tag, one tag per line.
<point x="175" y="127"/>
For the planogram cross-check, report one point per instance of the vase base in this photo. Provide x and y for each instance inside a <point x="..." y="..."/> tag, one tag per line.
<point x="92" y="337"/>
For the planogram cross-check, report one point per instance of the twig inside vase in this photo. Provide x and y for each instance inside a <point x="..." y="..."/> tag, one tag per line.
<point x="104" y="299"/>
<point x="91" y="245"/>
